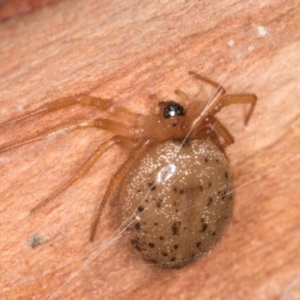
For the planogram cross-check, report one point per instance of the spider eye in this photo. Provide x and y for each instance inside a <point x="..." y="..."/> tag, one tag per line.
<point x="173" y="109"/>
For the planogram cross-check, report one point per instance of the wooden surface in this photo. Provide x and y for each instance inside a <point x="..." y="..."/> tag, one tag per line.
<point x="126" y="50"/>
<point x="15" y="8"/>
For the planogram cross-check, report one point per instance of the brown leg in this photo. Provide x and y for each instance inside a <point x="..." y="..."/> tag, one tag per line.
<point x="182" y="95"/>
<point x="116" y="182"/>
<point x="220" y="89"/>
<point x="240" y="98"/>
<point x="207" y="133"/>
<point x="216" y="127"/>
<point x="124" y="141"/>
<point x="222" y="99"/>
<point x="112" y="126"/>
<point x="81" y="99"/>
<point x="122" y="114"/>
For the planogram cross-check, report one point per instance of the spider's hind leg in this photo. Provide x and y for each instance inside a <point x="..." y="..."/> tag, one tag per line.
<point x="113" y="186"/>
<point x="124" y="141"/>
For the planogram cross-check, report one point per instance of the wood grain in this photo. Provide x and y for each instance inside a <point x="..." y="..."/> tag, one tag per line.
<point x="126" y="50"/>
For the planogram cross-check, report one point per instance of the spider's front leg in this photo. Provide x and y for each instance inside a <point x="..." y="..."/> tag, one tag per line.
<point x="222" y="99"/>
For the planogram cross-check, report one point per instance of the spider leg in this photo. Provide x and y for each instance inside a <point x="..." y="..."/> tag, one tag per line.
<point x="81" y="99"/>
<point x="207" y="133"/>
<point x="116" y="181"/>
<point x="182" y="95"/>
<point x="219" y="88"/>
<point x="240" y="98"/>
<point x="223" y="99"/>
<point x="124" y="141"/>
<point x="113" y="126"/>
<point x="215" y="126"/>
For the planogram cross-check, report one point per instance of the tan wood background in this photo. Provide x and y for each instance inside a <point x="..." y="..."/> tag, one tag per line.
<point x="126" y="50"/>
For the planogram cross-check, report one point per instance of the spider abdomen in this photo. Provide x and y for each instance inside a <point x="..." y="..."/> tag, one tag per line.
<point x="177" y="200"/>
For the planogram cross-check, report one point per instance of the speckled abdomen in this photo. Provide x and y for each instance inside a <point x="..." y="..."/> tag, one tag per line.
<point x="177" y="200"/>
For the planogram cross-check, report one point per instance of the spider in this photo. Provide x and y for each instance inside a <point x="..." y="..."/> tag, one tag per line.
<point x="176" y="188"/>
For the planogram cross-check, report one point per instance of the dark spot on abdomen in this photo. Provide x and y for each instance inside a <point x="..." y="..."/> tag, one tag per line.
<point x="136" y="245"/>
<point x="175" y="228"/>
<point x="137" y="226"/>
<point x="151" y="186"/>
<point x="204" y="227"/>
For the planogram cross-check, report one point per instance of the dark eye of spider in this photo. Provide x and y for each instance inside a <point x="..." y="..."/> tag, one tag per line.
<point x="173" y="109"/>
